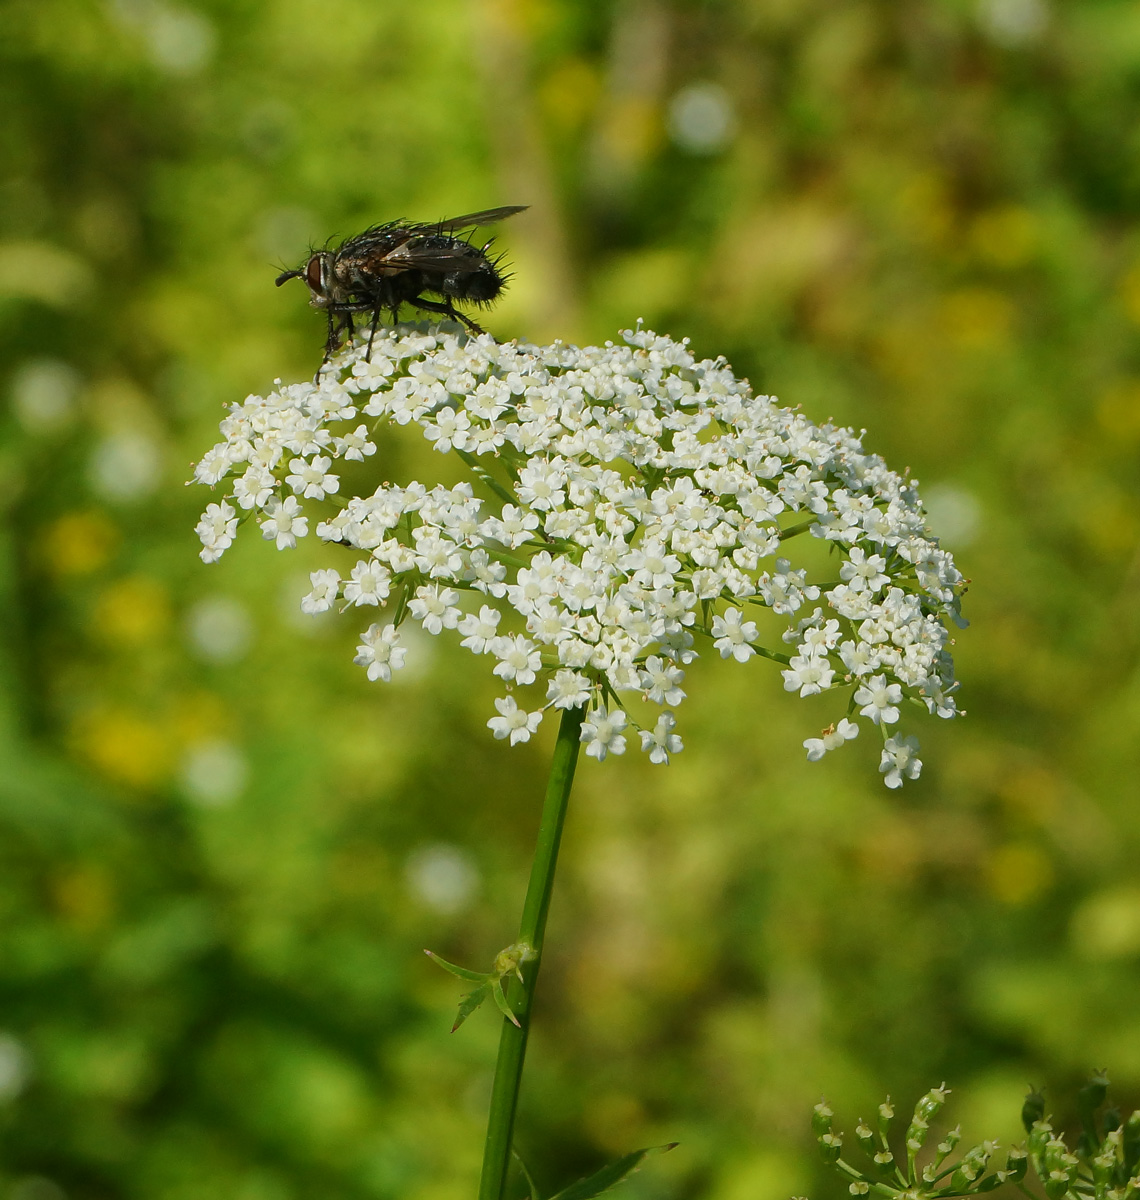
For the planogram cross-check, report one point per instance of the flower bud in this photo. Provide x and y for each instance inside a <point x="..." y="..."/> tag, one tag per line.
<point x="886" y="1116"/>
<point x="1056" y="1184"/>
<point x="1033" y="1110"/>
<point x="946" y="1146"/>
<point x="859" y="1188"/>
<point x="964" y="1175"/>
<point x="821" y="1119"/>
<point x="1131" y="1140"/>
<point x="1016" y="1164"/>
<point x="916" y="1133"/>
<point x="1057" y="1156"/>
<point x="1040" y="1133"/>
<point x="973" y="1165"/>
<point x="1102" y="1167"/>
<point x="830" y="1145"/>
<point x="865" y="1138"/>
<point x="930" y="1104"/>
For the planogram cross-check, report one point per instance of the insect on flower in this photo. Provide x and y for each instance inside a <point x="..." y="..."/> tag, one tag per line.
<point x="396" y="263"/>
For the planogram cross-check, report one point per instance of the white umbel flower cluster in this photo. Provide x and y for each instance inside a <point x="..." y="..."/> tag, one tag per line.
<point x="627" y="507"/>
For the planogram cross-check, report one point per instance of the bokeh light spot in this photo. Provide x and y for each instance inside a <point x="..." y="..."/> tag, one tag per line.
<point x="219" y="629"/>
<point x="43" y="394"/>
<point x="701" y="118"/>
<point x="443" y="877"/>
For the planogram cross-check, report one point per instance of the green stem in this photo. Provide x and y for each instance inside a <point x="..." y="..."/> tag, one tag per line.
<point x="512" y="1041"/>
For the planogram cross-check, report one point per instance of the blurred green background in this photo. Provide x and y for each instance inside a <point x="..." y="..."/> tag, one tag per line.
<point x="223" y="850"/>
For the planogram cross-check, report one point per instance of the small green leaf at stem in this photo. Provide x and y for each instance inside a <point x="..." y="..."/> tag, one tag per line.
<point x="601" y="1181"/>
<point x="470" y="1003"/>
<point x="501" y="1002"/>
<point x="459" y="972"/>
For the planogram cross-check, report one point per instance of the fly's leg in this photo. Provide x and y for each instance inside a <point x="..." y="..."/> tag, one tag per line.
<point x="372" y="332"/>
<point x="342" y="324"/>
<point x="448" y="310"/>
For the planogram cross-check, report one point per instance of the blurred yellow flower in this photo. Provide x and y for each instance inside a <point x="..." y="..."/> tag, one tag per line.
<point x="125" y="746"/>
<point x="1006" y="237"/>
<point x="1018" y="872"/>
<point x="79" y="543"/>
<point x="132" y="611"/>
<point x="83" y="894"/>
<point x="1118" y="410"/>
<point x="977" y="317"/>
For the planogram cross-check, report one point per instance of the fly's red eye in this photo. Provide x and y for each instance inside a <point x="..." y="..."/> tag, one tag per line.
<point x="313" y="274"/>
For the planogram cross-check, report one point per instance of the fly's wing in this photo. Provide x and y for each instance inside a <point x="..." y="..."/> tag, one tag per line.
<point x="432" y="253"/>
<point x="487" y="217"/>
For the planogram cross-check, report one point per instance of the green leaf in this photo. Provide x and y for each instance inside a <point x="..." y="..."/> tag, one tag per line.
<point x="460" y="972"/>
<point x="526" y="1175"/>
<point x="470" y="1003"/>
<point x="601" y="1181"/>
<point x="501" y="1001"/>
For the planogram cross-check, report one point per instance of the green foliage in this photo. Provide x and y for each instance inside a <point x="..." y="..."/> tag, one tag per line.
<point x="222" y="851"/>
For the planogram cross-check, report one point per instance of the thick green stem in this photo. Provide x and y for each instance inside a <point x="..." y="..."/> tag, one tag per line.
<point x="512" y="1042"/>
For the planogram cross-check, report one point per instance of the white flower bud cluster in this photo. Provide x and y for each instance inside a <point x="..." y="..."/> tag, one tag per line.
<point x="627" y="506"/>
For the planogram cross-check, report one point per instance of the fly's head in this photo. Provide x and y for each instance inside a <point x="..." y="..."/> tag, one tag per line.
<point x="318" y="274"/>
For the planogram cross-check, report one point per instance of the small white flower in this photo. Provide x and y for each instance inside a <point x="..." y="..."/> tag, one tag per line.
<point x="732" y="635"/>
<point x="808" y="674"/>
<point x="831" y="739"/>
<point x="214" y="466"/>
<point x="568" y="689"/>
<point x="355" y="446"/>
<point x="900" y="761"/>
<point x="662" y="681"/>
<point x="864" y="572"/>
<point x="519" y="659"/>
<point x="283" y="522"/>
<point x="540" y="484"/>
<point x="879" y="700"/>
<point x="436" y="608"/>
<point x="449" y="428"/>
<point x="662" y="741"/>
<point x="370" y="583"/>
<point x="513" y="722"/>
<point x="310" y="477"/>
<point x="380" y="652"/>
<point x="325" y="588"/>
<point x="602" y="732"/>
<point x="253" y="489"/>
<point x="478" y="631"/>
<point x="216" y="531"/>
